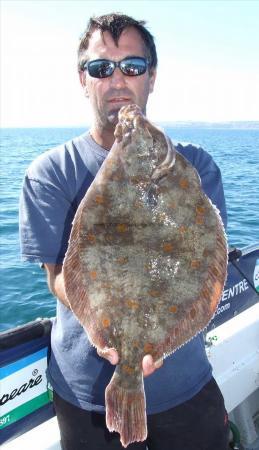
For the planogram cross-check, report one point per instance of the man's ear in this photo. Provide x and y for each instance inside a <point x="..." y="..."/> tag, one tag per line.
<point x="83" y="83"/>
<point x="81" y="77"/>
<point x="152" y="79"/>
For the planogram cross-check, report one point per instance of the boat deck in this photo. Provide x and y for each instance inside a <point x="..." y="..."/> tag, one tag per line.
<point x="233" y="352"/>
<point x="43" y="437"/>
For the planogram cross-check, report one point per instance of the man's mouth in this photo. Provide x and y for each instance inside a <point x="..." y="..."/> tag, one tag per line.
<point x="119" y="100"/>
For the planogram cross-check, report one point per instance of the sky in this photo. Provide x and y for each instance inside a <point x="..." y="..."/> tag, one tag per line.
<point x="208" y="53"/>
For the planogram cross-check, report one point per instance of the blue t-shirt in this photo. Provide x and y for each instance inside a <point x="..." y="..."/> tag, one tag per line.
<point x="53" y="187"/>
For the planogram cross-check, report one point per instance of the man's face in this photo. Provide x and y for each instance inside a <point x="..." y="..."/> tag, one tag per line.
<point x="108" y="95"/>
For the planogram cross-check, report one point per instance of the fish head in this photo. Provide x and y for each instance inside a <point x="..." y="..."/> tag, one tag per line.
<point x="147" y="151"/>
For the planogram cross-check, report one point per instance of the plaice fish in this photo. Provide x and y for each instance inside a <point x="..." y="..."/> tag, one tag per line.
<point x="146" y="261"/>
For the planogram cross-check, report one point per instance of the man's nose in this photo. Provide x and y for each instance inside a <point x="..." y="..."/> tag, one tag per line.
<point x="118" y="78"/>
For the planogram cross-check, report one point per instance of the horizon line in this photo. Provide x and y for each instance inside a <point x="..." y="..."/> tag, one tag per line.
<point x="176" y="122"/>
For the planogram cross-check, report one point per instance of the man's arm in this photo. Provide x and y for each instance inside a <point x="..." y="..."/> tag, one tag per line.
<point x="56" y="282"/>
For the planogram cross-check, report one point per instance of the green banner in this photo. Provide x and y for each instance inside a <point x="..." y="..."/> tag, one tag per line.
<point x="23" y="410"/>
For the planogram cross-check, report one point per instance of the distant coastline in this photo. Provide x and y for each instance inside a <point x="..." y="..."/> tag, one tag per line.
<point x="237" y="125"/>
<point x="233" y="125"/>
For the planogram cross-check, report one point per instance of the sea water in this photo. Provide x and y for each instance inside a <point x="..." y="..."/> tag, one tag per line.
<point x="24" y="292"/>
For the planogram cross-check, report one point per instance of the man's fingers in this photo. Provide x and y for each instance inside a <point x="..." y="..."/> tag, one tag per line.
<point x="159" y="363"/>
<point x="149" y="366"/>
<point x="110" y="354"/>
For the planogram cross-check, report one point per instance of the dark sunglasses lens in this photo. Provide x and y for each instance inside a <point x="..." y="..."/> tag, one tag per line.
<point x="100" y="68"/>
<point x="133" y="66"/>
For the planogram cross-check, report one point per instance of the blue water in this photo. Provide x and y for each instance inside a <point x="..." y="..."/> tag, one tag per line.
<point x="24" y="294"/>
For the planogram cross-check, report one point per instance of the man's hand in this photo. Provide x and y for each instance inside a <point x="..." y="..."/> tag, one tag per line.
<point x="148" y="365"/>
<point x="110" y="354"/>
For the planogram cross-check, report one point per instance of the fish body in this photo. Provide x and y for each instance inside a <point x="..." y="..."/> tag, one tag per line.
<point x="146" y="262"/>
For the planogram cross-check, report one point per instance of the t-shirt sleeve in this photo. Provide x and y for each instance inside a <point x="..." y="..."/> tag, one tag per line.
<point x="45" y="218"/>
<point x="211" y="181"/>
<point x="210" y="175"/>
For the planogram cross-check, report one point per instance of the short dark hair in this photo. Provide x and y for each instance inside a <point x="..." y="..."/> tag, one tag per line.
<point x="115" y="23"/>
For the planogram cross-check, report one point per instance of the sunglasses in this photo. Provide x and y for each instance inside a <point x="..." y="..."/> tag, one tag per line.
<point x="103" y="68"/>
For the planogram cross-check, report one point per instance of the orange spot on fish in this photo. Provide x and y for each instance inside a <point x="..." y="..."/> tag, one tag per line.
<point x="183" y="183"/>
<point x="173" y="309"/>
<point x="93" y="274"/>
<point x="106" y="322"/>
<point x="199" y="220"/>
<point x="200" y="210"/>
<point x="122" y="260"/>
<point x="127" y="369"/>
<point x="133" y="304"/>
<point x="154" y="293"/>
<point x="99" y="199"/>
<point x="91" y="238"/>
<point x="121" y="228"/>
<point x="168" y="247"/>
<point x="148" y="347"/>
<point x="195" y="264"/>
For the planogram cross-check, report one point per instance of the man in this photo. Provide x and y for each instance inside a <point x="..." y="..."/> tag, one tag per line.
<point x="117" y="66"/>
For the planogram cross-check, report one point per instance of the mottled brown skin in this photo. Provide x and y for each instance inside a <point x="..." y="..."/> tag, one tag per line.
<point x="146" y="262"/>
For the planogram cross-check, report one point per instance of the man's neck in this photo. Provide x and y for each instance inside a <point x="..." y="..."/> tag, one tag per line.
<point x="104" y="138"/>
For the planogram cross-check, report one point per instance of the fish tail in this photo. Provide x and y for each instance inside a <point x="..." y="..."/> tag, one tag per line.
<point x="126" y="410"/>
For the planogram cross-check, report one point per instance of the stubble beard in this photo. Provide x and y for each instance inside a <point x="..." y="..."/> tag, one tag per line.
<point x="108" y="122"/>
<point x="113" y="117"/>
